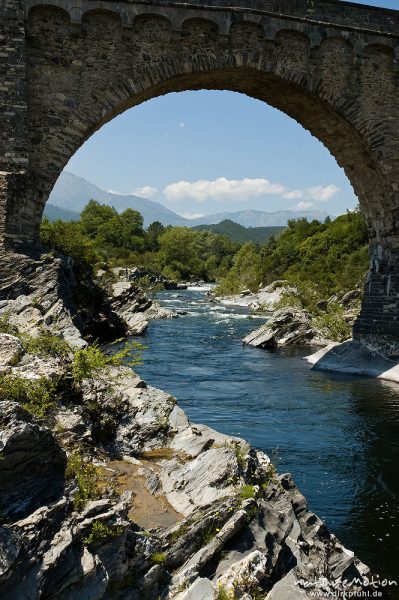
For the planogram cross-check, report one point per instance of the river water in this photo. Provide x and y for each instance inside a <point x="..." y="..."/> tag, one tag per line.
<point x="337" y="434"/>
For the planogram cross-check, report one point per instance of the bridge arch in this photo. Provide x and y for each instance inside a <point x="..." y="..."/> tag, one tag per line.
<point x="334" y="70"/>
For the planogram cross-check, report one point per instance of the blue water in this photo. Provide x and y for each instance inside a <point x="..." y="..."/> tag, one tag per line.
<point x="338" y="435"/>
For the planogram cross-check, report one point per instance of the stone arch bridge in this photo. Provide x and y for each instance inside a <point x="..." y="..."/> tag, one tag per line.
<point x="69" y="66"/>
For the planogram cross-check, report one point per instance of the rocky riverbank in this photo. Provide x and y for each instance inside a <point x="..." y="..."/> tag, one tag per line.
<point x="110" y="492"/>
<point x="264" y="300"/>
<point x="324" y="323"/>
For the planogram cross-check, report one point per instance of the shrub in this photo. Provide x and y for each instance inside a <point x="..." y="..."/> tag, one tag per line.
<point x="158" y="557"/>
<point x="240" y="455"/>
<point x="46" y="344"/>
<point x="36" y="396"/>
<point x="246" y="492"/>
<point x="86" y="476"/>
<point x="68" y="238"/>
<point x="91" y="361"/>
<point x="223" y="594"/>
<point x="332" y="324"/>
<point x="101" y="531"/>
<point x="305" y="295"/>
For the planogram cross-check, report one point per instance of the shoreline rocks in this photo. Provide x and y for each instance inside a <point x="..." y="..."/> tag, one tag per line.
<point x="236" y="524"/>
<point x="135" y="308"/>
<point x="286" y="327"/>
<point x="223" y="499"/>
<point x="264" y="300"/>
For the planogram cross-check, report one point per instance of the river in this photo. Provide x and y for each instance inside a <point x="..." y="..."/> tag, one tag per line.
<point x="337" y="434"/>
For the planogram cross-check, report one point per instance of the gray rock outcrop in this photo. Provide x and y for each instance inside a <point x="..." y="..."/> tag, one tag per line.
<point x="157" y="506"/>
<point x="32" y="464"/>
<point x="286" y="327"/>
<point x="233" y="520"/>
<point x="135" y="308"/>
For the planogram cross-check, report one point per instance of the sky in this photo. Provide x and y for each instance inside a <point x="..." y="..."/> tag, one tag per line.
<point x="205" y="152"/>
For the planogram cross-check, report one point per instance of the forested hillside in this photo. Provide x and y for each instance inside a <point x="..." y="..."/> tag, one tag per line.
<point x="241" y="234"/>
<point x="104" y="236"/>
<point x="331" y="256"/>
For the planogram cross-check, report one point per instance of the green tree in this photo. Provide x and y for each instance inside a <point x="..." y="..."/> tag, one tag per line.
<point x="94" y="216"/>
<point x="154" y="232"/>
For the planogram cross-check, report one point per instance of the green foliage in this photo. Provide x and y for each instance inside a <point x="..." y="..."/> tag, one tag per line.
<point x="332" y="324"/>
<point x="150" y="289"/>
<point x="46" y="344"/>
<point x="67" y="237"/>
<point x="158" y="557"/>
<point x="223" y="594"/>
<point x="186" y="253"/>
<point x="110" y="230"/>
<point x="100" y="532"/>
<point x="330" y="257"/>
<point x="154" y="232"/>
<point x="240" y="455"/>
<point x="120" y="239"/>
<point x="95" y="216"/>
<point x="239" y="233"/>
<point x="36" y="396"/>
<point x="90" y="362"/>
<point x="86" y="477"/>
<point x="246" y="492"/>
<point x="245" y="273"/>
<point x="305" y="295"/>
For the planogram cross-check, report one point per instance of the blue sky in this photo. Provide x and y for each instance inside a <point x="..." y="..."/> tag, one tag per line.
<point x="205" y="152"/>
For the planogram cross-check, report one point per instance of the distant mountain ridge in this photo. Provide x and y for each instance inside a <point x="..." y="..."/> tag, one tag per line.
<point x="71" y="193"/>
<point x="53" y="213"/>
<point x="241" y="234"/>
<point x="258" y="218"/>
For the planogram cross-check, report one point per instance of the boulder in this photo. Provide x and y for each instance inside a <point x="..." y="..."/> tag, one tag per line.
<point x="286" y="327"/>
<point x="137" y="323"/>
<point x="32" y="464"/>
<point x="11" y="350"/>
<point x="201" y="481"/>
<point x="201" y="589"/>
<point x="245" y="575"/>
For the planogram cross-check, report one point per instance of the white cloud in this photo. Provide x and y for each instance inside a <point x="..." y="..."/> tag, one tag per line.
<point x="145" y="192"/>
<point x="304" y="205"/>
<point x="115" y="192"/>
<point x="294" y="195"/>
<point x="322" y="193"/>
<point x="222" y="189"/>
<point x="182" y="125"/>
<point x="192" y="215"/>
<point x="240" y="190"/>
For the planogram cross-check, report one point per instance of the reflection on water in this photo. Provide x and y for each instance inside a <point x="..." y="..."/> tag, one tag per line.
<point x="337" y="434"/>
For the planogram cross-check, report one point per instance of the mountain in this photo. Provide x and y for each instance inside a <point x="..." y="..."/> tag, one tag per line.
<point x="241" y="234"/>
<point x="72" y="193"/>
<point x="56" y="212"/>
<point x="257" y="218"/>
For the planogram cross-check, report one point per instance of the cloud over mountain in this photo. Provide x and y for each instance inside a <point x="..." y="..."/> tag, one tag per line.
<point x="240" y="190"/>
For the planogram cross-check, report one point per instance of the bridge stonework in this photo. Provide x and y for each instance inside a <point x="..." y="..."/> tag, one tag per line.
<point x="69" y="66"/>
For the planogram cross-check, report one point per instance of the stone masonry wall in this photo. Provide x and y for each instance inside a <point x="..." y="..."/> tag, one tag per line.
<point x="14" y="138"/>
<point x="69" y="66"/>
